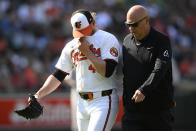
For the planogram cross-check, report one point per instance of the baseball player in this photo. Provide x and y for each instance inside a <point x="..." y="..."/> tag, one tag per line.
<point x="94" y="54"/>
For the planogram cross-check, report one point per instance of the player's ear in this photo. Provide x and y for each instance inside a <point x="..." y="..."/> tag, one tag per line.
<point x="93" y="23"/>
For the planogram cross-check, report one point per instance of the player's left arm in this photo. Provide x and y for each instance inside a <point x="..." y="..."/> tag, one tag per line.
<point x="104" y="67"/>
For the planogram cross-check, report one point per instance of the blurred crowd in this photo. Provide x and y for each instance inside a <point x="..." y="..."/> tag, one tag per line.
<point x="33" y="33"/>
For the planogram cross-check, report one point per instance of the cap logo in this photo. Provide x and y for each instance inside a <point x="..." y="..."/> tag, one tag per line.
<point x="78" y="24"/>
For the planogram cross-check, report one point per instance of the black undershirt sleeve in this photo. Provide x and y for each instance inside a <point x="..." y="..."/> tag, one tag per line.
<point x="60" y="75"/>
<point x="110" y="66"/>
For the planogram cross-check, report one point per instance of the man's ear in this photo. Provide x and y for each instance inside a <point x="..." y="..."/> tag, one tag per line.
<point x="147" y="20"/>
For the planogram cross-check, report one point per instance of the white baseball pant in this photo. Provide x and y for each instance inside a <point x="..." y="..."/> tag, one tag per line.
<point x="98" y="114"/>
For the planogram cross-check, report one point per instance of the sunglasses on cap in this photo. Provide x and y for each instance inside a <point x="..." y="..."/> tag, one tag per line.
<point x="135" y="24"/>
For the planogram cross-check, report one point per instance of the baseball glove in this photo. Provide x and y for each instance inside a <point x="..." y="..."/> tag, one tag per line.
<point x="32" y="111"/>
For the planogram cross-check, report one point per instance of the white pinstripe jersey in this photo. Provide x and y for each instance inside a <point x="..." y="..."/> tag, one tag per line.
<point x="104" y="45"/>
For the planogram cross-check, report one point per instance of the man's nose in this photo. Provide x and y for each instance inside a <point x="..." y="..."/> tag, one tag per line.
<point x="131" y="28"/>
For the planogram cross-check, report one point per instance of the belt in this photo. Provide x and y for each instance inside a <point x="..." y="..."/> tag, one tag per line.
<point x="93" y="95"/>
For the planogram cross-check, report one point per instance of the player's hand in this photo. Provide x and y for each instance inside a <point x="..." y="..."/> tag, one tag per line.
<point x="32" y="111"/>
<point x="83" y="45"/>
<point x="138" y="96"/>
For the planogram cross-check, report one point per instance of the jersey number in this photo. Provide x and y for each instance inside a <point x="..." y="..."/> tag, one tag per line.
<point x="92" y="68"/>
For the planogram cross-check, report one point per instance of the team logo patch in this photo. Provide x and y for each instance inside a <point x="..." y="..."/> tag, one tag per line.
<point x="78" y="24"/>
<point x="114" y="51"/>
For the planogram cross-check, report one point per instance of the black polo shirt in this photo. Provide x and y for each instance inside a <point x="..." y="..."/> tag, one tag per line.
<point x="148" y="67"/>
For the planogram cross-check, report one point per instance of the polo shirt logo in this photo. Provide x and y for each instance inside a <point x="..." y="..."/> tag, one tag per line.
<point x="166" y="54"/>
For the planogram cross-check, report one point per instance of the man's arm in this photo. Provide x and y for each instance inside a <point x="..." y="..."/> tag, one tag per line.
<point x="52" y="82"/>
<point x="104" y="67"/>
<point x="49" y="86"/>
<point x="100" y="65"/>
<point x="162" y="64"/>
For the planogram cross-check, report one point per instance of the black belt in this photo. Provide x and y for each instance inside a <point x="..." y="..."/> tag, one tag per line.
<point x="89" y="95"/>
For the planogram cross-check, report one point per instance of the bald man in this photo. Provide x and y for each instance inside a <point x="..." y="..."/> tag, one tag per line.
<point x="148" y="91"/>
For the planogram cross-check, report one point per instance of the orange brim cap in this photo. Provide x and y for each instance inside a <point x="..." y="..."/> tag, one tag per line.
<point x="81" y="33"/>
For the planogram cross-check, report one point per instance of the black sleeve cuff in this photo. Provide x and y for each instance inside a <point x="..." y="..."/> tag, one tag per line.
<point x="110" y="66"/>
<point x="60" y="75"/>
<point x="144" y="91"/>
